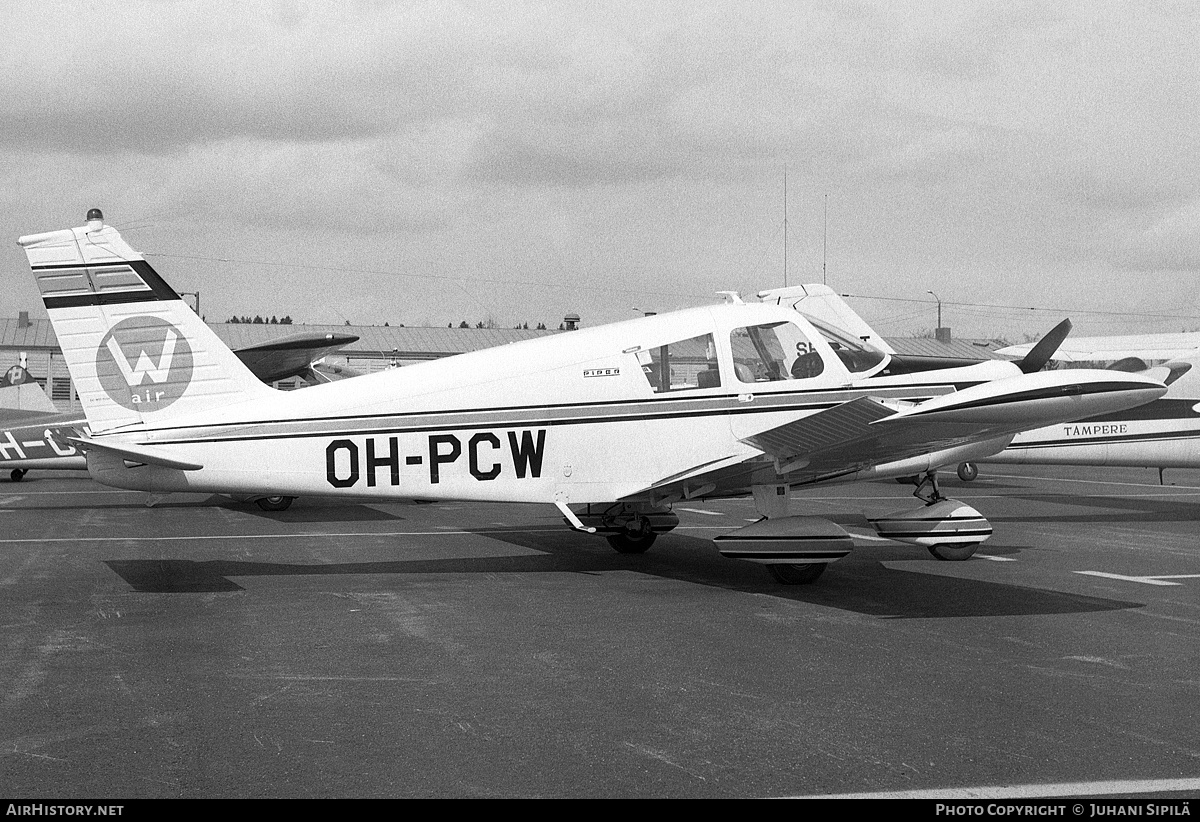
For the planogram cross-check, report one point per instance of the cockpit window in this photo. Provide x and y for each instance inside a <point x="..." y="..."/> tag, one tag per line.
<point x="776" y="351"/>
<point x="682" y="365"/>
<point x="855" y="354"/>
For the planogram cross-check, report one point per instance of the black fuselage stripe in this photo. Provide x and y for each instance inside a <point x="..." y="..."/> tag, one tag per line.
<point x="726" y="401"/>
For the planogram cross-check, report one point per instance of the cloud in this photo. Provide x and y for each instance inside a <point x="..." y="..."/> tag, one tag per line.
<point x="963" y="145"/>
<point x="1171" y="242"/>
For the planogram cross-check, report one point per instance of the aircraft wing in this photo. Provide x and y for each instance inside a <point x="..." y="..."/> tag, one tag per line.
<point x="1110" y="349"/>
<point x="867" y="433"/>
<point x="290" y="356"/>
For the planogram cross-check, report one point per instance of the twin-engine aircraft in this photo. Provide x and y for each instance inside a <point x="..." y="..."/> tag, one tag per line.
<point x="1164" y="433"/>
<point x="612" y="425"/>
<point x="1161" y="434"/>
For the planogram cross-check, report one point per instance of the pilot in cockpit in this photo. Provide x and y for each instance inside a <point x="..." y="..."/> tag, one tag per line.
<point x="807" y="365"/>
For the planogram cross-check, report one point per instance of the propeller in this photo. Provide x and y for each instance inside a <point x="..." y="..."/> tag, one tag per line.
<point x="1041" y="353"/>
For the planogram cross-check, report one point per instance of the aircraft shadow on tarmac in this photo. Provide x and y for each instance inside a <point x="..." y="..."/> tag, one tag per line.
<point x="299" y="514"/>
<point x="860" y="583"/>
<point x="305" y="514"/>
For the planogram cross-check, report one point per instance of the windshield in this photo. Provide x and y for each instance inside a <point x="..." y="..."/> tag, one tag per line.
<point x="776" y="351"/>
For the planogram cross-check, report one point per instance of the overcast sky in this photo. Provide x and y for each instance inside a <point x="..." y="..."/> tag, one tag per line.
<point x="424" y="163"/>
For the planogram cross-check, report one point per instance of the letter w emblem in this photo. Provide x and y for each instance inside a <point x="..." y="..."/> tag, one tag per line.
<point x="157" y="372"/>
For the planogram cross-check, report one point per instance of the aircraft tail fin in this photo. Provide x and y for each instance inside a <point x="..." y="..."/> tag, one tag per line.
<point x="823" y="303"/>
<point x="137" y="353"/>
<point x="19" y="391"/>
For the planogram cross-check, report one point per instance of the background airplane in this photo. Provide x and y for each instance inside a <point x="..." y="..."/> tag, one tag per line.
<point x="612" y="425"/>
<point x="1164" y="433"/>
<point x="20" y="392"/>
<point x="1101" y="352"/>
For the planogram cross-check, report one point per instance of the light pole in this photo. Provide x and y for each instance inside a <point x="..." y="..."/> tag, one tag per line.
<point x="195" y="294"/>
<point x="939" y="302"/>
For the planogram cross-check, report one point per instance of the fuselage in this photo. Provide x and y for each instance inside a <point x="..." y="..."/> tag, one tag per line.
<point x="36" y="440"/>
<point x="594" y="415"/>
<point x="1164" y="433"/>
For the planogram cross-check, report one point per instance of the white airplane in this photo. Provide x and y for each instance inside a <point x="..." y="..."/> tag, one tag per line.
<point x="20" y="392"/>
<point x="612" y="425"/>
<point x="1151" y="349"/>
<point x="1164" y="433"/>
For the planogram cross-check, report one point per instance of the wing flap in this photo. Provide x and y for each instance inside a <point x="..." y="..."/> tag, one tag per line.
<point x="835" y="429"/>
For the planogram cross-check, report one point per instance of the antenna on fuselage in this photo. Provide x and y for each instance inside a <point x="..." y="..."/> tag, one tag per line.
<point x="825" y="241"/>
<point x="785" y="227"/>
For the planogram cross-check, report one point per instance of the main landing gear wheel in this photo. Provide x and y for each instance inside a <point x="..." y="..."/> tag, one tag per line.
<point x="967" y="471"/>
<point x="790" y="574"/>
<point x="953" y="553"/>
<point x="274" y="503"/>
<point x="635" y="539"/>
<point x="18" y="474"/>
<point x="629" y="544"/>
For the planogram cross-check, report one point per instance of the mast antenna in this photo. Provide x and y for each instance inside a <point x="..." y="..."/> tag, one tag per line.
<point x="825" y="242"/>
<point x="785" y="229"/>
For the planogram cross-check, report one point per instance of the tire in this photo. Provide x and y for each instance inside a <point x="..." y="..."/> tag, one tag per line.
<point x="274" y="503"/>
<point x="790" y="574"/>
<point x="630" y="544"/>
<point x="18" y="474"/>
<point x="953" y="553"/>
<point x="967" y="471"/>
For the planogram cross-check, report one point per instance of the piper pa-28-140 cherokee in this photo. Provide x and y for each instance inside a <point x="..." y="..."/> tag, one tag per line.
<point x="610" y="424"/>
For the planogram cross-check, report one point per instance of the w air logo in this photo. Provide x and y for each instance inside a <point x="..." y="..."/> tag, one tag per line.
<point x="144" y="363"/>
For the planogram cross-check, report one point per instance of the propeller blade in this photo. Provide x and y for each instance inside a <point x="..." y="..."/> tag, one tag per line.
<point x="1041" y="353"/>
